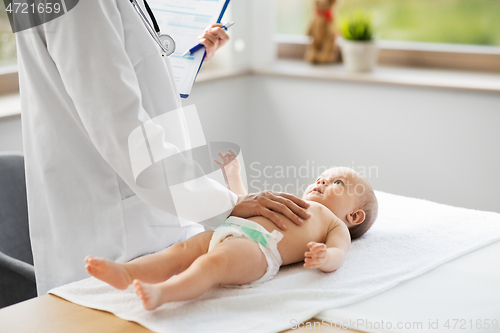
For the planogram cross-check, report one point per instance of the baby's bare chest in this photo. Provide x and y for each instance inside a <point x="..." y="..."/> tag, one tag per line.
<point x="295" y="239"/>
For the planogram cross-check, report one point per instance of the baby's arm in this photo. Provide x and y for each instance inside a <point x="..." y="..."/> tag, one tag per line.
<point x="231" y="168"/>
<point x="329" y="256"/>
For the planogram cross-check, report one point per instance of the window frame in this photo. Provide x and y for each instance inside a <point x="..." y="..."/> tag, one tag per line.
<point x="9" y="80"/>
<point x="263" y="48"/>
<point x="411" y="54"/>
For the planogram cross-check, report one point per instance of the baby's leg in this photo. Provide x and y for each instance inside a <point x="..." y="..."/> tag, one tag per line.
<point x="154" y="268"/>
<point x="235" y="261"/>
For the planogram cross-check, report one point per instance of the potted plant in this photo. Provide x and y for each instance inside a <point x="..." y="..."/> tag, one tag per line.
<point x="359" y="51"/>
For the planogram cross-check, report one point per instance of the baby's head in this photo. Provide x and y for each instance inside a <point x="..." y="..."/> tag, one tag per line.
<point x="348" y="195"/>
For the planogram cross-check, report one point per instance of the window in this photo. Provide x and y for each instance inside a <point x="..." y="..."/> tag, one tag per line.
<point x="440" y="21"/>
<point x="9" y="82"/>
<point x="7" y="40"/>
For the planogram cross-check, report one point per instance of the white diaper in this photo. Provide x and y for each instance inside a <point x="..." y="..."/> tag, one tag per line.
<point x="235" y="227"/>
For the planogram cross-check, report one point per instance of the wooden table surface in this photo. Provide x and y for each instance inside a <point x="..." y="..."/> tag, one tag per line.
<point x="51" y="314"/>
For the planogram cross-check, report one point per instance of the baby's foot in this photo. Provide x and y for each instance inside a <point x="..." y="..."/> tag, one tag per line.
<point x="149" y="294"/>
<point x="108" y="271"/>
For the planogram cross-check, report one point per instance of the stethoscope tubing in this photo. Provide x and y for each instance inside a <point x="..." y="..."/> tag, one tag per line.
<point x="150" y="29"/>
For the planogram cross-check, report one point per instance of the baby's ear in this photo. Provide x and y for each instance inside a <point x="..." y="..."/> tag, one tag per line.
<point x="357" y="216"/>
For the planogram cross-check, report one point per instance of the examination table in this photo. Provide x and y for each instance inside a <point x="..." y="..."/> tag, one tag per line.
<point x="466" y="287"/>
<point x="457" y="294"/>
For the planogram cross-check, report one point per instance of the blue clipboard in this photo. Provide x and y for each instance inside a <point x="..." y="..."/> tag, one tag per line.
<point x="201" y="63"/>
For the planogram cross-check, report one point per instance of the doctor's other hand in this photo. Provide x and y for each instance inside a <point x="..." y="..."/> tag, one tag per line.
<point x="268" y="203"/>
<point x="213" y="38"/>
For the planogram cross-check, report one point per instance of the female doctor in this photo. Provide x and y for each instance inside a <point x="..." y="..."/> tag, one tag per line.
<point x="87" y="80"/>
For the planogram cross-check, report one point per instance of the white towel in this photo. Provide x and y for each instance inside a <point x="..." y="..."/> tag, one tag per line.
<point x="410" y="237"/>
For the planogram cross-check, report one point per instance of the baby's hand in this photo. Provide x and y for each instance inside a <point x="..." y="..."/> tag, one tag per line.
<point x="230" y="164"/>
<point x="316" y="255"/>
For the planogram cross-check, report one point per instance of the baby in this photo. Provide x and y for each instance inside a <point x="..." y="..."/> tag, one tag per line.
<point x="246" y="252"/>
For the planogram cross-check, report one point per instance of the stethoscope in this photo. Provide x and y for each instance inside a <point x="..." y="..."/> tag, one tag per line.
<point x="164" y="41"/>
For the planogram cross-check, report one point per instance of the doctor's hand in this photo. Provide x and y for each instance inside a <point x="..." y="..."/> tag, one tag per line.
<point x="268" y="203"/>
<point x="213" y="38"/>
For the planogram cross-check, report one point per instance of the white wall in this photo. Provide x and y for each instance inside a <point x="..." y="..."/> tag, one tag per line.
<point x="10" y="134"/>
<point x="441" y="145"/>
<point x="435" y="144"/>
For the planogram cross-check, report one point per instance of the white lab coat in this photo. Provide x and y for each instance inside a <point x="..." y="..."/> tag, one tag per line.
<point x="88" y="78"/>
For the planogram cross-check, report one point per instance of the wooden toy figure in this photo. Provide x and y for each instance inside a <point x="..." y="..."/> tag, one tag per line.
<point x="322" y="50"/>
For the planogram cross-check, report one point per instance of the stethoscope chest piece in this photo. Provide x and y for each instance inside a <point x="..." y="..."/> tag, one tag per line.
<point x="165" y="42"/>
<point x="169" y="44"/>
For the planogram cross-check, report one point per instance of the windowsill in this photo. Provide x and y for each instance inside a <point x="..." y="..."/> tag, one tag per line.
<point x="403" y="76"/>
<point x="219" y="73"/>
<point x="10" y="105"/>
<point x="474" y="58"/>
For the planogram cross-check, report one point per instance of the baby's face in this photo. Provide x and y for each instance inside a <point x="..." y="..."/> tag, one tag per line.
<point x="338" y="189"/>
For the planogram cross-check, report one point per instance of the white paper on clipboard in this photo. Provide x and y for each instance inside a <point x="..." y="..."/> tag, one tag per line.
<point x="186" y="20"/>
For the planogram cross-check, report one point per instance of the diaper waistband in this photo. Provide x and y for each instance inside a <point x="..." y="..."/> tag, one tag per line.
<point x="254" y="230"/>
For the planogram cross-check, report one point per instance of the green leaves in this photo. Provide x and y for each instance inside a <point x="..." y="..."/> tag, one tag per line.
<point x="357" y="26"/>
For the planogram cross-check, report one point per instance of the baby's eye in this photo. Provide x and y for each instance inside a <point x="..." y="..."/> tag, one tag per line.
<point x="339" y="182"/>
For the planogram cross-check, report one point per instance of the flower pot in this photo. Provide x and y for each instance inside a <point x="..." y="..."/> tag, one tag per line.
<point x="359" y="56"/>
